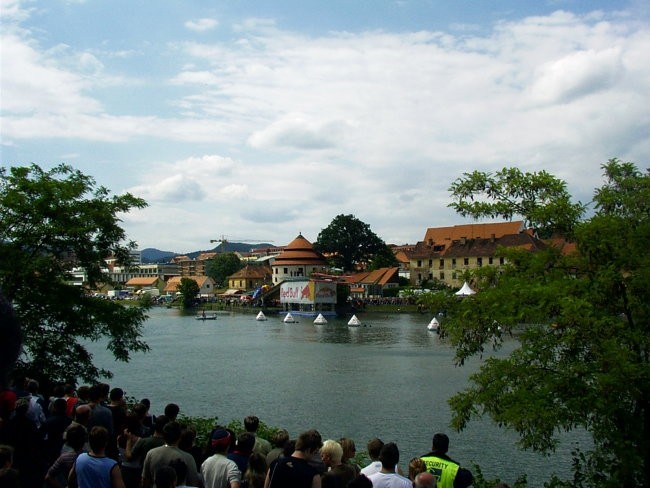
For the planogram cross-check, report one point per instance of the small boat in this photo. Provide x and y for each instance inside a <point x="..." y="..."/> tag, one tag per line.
<point x="260" y="316"/>
<point x="288" y="319"/>
<point x="354" y="322"/>
<point x="434" y="325"/>
<point x="320" y="319"/>
<point x="206" y="316"/>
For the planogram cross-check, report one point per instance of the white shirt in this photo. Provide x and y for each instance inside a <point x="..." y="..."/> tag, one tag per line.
<point x="372" y="468"/>
<point x="389" y="480"/>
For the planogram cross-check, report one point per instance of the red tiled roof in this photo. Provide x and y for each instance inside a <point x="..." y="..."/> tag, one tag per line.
<point x="148" y="281"/>
<point x="445" y="235"/>
<point x="299" y="252"/>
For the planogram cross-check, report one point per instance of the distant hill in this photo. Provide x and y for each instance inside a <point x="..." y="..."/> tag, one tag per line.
<point x="152" y="255"/>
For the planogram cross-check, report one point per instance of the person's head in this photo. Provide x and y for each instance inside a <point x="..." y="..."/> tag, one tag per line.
<point x="289" y="447"/>
<point x="501" y="485"/>
<point x="59" y="406"/>
<point x="425" y="480"/>
<point x="440" y="443"/>
<point x="245" y="442"/>
<point x="83" y="393"/>
<point x="116" y="395"/>
<point x="309" y="442"/>
<point x="374" y="447"/>
<point x="159" y="424"/>
<point x="416" y="466"/>
<point x="172" y="433"/>
<point x="82" y="414"/>
<point x="104" y="390"/>
<point x="95" y="393"/>
<point x="6" y="456"/>
<point x="57" y="391"/>
<point x="257" y="463"/>
<point x="132" y="423"/>
<point x="360" y="481"/>
<point x="251" y="423"/>
<point x="165" y="477"/>
<point x="140" y="410"/>
<point x="349" y="449"/>
<point x="22" y="406"/>
<point x="146" y="402"/>
<point x="331" y="453"/>
<point x="172" y="410"/>
<point x="280" y="438"/>
<point x="98" y="439"/>
<point x="32" y="387"/>
<point x="220" y="440"/>
<point x="188" y="436"/>
<point x="181" y="470"/>
<point x="68" y="389"/>
<point x="389" y="456"/>
<point x="76" y="436"/>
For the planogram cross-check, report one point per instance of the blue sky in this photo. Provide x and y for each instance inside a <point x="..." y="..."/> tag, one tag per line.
<point x="263" y="119"/>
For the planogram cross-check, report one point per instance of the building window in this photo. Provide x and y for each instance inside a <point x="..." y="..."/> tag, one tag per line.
<point x="466" y="261"/>
<point x="490" y="260"/>
<point x="442" y="275"/>
<point x="419" y="263"/>
<point x="502" y="261"/>
<point x="453" y="263"/>
<point x="442" y="264"/>
<point x="286" y="270"/>
<point x="479" y="262"/>
<point x="430" y="262"/>
<point x="453" y="275"/>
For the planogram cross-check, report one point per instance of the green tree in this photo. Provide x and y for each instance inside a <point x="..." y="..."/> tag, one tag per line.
<point x="349" y="241"/>
<point x="383" y="258"/>
<point x="223" y="265"/>
<point x="582" y="322"/>
<point x="50" y="222"/>
<point x="539" y="198"/>
<point x="189" y="289"/>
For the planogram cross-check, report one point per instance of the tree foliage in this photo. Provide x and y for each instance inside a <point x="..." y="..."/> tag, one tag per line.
<point x="223" y="265"/>
<point x="383" y="258"/>
<point x="50" y="222"/>
<point x="582" y="324"/>
<point x="349" y="241"/>
<point x="189" y="289"/>
<point x="539" y="198"/>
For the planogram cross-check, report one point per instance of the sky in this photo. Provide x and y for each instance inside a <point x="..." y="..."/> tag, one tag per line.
<point x="259" y="120"/>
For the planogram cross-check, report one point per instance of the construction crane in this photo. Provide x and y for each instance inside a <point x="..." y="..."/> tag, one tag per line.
<point x="224" y="240"/>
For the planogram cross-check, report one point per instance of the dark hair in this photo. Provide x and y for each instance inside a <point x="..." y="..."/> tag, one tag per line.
<point x="76" y="437"/>
<point x="140" y="410"/>
<point x="389" y="456"/>
<point x="6" y="454"/>
<point x="59" y="406"/>
<point x="374" y="447"/>
<point x="360" y="481"/>
<point x="98" y="438"/>
<point x="440" y="443"/>
<point x="172" y="432"/>
<point x="309" y="441"/>
<point x="165" y="477"/>
<point x="289" y="447"/>
<point x="146" y="402"/>
<point x="116" y="394"/>
<point x="159" y="424"/>
<point x="187" y="438"/>
<point x="172" y="410"/>
<point x="181" y="470"/>
<point x="245" y="442"/>
<point x="95" y="393"/>
<point x="251" y="423"/>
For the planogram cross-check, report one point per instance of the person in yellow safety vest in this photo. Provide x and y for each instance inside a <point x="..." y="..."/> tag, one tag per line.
<point x="448" y="471"/>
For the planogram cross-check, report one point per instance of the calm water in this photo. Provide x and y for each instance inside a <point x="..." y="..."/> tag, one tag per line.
<point x="390" y="378"/>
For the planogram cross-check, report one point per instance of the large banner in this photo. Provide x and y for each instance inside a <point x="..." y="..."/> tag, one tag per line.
<point x="307" y="292"/>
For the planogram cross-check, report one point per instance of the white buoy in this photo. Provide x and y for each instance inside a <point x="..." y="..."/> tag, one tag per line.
<point x="434" y="325"/>
<point x="260" y="316"/>
<point x="320" y="319"/>
<point x="354" y="321"/>
<point x="288" y="319"/>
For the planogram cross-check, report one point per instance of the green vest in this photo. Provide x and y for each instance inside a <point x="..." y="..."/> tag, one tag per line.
<point x="443" y="469"/>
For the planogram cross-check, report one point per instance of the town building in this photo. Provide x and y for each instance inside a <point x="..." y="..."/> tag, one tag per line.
<point x="206" y="285"/>
<point x="372" y="284"/>
<point x="447" y="252"/>
<point x="297" y="261"/>
<point x="250" y="277"/>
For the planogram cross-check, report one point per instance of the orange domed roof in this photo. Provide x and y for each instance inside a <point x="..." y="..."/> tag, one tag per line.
<point x="300" y="252"/>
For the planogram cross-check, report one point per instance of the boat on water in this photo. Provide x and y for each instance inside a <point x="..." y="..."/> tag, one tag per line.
<point x="354" y="322"/>
<point x="206" y="316"/>
<point x="320" y="319"/>
<point x="288" y="319"/>
<point x="434" y="325"/>
<point x="260" y="316"/>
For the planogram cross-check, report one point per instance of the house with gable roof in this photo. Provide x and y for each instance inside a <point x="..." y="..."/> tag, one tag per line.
<point x="371" y="284"/>
<point x="206" y="285"/>
<point x="250" y="277"/>
<point x="446" y="252"/>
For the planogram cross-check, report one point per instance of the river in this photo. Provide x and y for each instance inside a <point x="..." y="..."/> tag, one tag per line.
<point x="389" y="378"/>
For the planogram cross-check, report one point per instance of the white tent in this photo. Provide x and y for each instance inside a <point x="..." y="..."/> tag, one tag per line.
<point x="465" y="291"/>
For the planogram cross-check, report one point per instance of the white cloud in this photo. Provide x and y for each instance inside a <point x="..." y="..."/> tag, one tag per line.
<point x="201" y="25"/>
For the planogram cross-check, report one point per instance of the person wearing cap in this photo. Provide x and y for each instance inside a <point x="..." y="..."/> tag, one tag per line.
<point x="218" y="471"/>
<point x="387" y="477"/>
<point x="447" y="471"/>
<point x="165" y="454"/>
